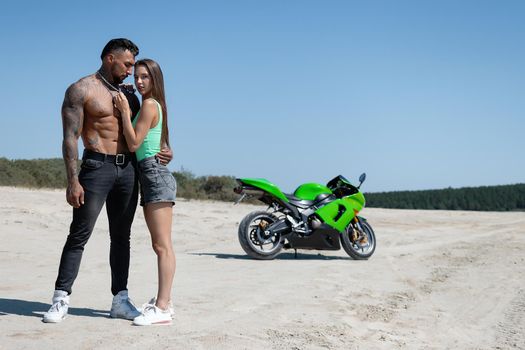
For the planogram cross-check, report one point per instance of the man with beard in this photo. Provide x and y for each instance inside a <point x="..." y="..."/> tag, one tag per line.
<point x="107" y="175"/>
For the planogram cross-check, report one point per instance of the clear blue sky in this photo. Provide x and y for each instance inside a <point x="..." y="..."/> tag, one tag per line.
<point x="417" y="94"/>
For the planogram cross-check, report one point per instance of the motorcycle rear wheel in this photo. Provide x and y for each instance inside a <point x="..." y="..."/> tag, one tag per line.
<point x="364" y="246"/>
<point x="253" y="238"/>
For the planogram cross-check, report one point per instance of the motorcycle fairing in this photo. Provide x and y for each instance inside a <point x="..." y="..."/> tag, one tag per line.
<point x="266" y="186"/>
<point x="324" y="238"/>
<point x="311" y="191"/>
<point x="340" y="212"/>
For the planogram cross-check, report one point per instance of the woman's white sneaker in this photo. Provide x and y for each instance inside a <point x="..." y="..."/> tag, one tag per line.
<point x="153" y="301"/>
<point x="58" y="310"/>
<point x="152" y="315"/>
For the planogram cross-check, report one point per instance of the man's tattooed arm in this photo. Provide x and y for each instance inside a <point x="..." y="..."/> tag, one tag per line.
<point x="72" y="121"/>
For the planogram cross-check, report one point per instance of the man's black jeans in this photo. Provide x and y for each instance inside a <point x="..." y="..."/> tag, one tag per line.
<point x="113" y="180"/>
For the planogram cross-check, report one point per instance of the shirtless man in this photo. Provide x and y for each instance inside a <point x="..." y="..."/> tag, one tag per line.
<point x="107" y="175"/>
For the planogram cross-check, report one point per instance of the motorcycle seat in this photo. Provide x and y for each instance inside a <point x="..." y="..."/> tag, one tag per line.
<point x="298" y="202"/>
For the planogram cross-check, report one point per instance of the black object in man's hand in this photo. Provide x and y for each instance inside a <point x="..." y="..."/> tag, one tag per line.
<point x="127" y="88"/>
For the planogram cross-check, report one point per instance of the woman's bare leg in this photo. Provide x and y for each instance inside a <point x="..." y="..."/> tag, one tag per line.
<point x="159" y="218"/>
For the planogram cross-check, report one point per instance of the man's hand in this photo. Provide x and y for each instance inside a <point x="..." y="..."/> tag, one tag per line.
<point x="165" y="156"/>
<point x="75" y="194"/>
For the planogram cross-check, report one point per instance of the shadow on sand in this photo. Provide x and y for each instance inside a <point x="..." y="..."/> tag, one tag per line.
<point x="282" y="256"/>
<point x="37" y="309"/>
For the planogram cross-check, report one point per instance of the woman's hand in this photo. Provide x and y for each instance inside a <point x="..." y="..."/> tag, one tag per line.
<point x="121" y="102"/>
<point x="165" y="155"/>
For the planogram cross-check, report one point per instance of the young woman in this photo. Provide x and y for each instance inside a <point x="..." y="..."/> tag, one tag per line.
<point x="144" y="136"/>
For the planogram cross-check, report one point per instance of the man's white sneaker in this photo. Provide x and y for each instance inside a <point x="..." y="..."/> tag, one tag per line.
<point x="153" y="301"/>
<point x="58" y="310"/>
<point x="123" y="307"/>
<point x="152" y="315"/>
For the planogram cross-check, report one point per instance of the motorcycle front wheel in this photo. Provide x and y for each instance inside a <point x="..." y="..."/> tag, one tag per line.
<point x="359" y="240"/>
<point x="254" y="238"/>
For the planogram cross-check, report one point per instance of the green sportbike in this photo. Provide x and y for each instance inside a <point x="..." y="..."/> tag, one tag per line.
<point x="315" y="217"/>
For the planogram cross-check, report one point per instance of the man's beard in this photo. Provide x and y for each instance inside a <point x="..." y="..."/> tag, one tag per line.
<point x="118" y="80"/>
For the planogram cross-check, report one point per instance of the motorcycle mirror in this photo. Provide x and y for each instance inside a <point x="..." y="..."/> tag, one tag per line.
<point x="362" y="177"/>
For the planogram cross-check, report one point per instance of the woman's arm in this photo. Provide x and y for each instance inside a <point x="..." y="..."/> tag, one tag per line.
<point x="148" y="118"/>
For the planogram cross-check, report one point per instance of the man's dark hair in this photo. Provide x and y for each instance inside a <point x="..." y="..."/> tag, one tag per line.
<point x="119" y="44"/>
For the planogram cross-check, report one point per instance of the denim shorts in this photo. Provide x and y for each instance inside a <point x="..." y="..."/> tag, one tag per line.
<point x="157" y="184"/>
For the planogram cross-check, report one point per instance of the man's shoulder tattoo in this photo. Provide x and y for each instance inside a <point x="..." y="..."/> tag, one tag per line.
<point x="76" y="92"/>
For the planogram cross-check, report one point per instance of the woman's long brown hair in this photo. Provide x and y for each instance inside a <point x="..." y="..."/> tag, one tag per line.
<point x="157" y="92"/>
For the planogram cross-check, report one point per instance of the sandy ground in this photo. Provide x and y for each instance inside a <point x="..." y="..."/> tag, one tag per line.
<point x="438" y="280"/>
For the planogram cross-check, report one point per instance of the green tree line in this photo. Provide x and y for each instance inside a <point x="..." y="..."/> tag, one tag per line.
<point x="50" y="173"/>
<point x="484" y="198"/>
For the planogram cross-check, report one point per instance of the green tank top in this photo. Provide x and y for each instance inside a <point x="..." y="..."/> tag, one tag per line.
<point x="151" y="144"/>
